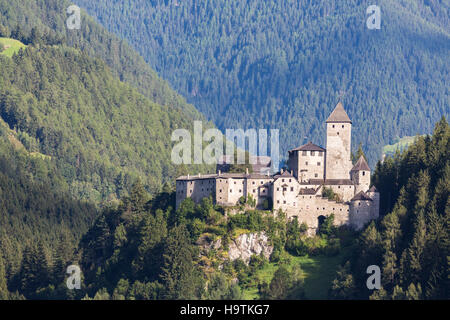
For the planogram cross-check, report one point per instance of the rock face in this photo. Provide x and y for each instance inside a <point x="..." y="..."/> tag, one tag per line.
<point x="249" y="244"/>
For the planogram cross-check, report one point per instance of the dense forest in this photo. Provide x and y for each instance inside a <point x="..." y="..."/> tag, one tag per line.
<point x="284" y="64"/>
<point x="96" y="90"/>
<point x="145" y="249"/>
<point x="411" y="243"/>
<point x="85" y="127"/>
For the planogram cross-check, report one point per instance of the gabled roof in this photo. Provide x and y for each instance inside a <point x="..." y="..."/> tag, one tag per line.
<point x="339" y="114"/>
<point x="361" y="196"/>
<point x="284" y="174"/>
<point x="361" y="165"/>
<point x="308" y="147"/>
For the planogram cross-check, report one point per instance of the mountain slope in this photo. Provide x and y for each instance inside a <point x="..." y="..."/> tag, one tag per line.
<point x="283" y="64"/>
<point x="101" y="133"/>
<point x="50" y="16"/>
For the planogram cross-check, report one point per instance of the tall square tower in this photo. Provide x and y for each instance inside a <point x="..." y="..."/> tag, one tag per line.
<point x="339" y="137"/>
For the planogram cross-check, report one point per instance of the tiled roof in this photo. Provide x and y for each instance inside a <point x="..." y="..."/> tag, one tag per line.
<point x="310" y="191"/>
<point x="339" y="114"/>
<point x="308" y="147"/>
<point x="361" y="164"/>
<point x="225" y="176"/>
<point x="284" y="174"/>
<point x="361" y="196"/>
<point x="331" y="181"/>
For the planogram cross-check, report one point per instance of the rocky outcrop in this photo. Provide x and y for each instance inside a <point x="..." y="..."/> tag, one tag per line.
<point x="248" y="244"/>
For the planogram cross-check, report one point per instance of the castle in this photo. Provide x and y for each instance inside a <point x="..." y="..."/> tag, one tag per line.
<point x="298" y="191"/>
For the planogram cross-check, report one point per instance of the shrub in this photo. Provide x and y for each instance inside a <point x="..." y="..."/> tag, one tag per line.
<point x="333" y="247"/>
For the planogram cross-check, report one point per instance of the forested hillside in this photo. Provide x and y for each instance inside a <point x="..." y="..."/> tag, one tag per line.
<point x="102" y="134"/>
<point x="37" y="213"/>
<point x="49" y="17"/>
<point x="283" y="64"/>
<point x="411" y="243"/>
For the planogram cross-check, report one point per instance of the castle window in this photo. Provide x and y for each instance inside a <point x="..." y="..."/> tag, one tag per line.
<point x="292" y="188"/>
<point x="306" y="163"/>
<point x="290" y="180"/>
<point x="253" y="182"/>
<point x="284" y="189"/>
<point x="220" y="190"/>
<point x="235" y="182"/>
<point x="339" y="187"/>
<point x="231" y="190"/>
<point x="318" y="163"/>
<point x="294" y="204"/>
<point x="254" y="190"/>
<point x="282" y="180"/>
<point x="278" y="201"/>
<point x="338" y="133"/>
<point x="278" y="189"/>
<point x="316" y="175"/>
<point x="364" y="173"/>
<point x="284" y="202"/>
<point x="333" y="125"/>
<point x="342" y="126"/>
<point x="240" y="190"/>
<point x="304" y="153"/>
<point x="312" y="153"/>
<point x="320" y="154"/>
<point x="262" y="182"/>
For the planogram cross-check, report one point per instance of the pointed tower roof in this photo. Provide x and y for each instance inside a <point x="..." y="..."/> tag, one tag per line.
<point x="361" y="196"/>
<point x="361" y="165"/>
<point x="339" y="114"/>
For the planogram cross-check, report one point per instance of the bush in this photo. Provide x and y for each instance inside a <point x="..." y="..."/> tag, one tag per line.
<point x="333" y="247"/>
<point x="217" y="230"/>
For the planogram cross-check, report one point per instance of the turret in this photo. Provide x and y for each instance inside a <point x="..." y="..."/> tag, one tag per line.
<point x="360" y="175"/>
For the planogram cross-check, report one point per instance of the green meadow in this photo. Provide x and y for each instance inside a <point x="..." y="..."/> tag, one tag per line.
<point x="10" y="46"/>
<point x="318" y="273"/>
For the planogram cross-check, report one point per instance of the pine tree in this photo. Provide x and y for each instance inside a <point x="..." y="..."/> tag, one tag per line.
<point x="4" y="294"/>
<point x="179" y="276"/>
<point x="343" y="286"/>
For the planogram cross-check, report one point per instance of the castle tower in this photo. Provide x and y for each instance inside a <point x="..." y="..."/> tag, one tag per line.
<point x="360" y="175"/>
<point x="375" y="195"/>
<point x="339" y="136"/>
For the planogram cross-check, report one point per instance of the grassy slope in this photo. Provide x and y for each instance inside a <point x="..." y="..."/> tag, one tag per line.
<point x="319" y="272"/>
<point x="15" y="46"/>
<point x="402" y="144"/>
